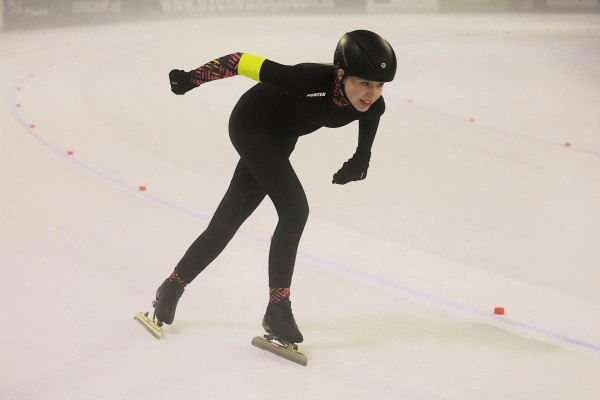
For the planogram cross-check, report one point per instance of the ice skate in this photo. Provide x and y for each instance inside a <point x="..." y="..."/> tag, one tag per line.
<point x="282" y="333"/>
<point x="152" y="325"/>
<point x="167" y="296"/>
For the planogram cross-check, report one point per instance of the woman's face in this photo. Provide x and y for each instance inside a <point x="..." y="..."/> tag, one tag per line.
<point x="361" y="92"/>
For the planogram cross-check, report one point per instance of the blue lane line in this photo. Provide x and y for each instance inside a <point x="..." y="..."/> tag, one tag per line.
<point x="324" y="263"/>
<point x="363" y="276"/>
<point x="393" y="95"/>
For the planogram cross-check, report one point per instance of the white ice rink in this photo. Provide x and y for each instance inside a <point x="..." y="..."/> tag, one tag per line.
<point x="473" y="200"/>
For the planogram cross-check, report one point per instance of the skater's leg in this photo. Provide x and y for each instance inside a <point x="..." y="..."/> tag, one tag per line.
<point x="240" y="200"/>
<point x="267" y="158"/>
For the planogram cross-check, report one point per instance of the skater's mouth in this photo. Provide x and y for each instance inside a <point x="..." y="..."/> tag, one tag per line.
<point x="365" y="103"/>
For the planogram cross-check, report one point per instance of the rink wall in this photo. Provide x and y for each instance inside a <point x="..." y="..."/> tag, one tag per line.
<point x="28" y="14"/>
<point x="462" y="6"/>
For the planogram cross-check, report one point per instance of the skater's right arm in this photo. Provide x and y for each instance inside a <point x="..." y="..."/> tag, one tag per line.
<point x="254" y="67"/>
<point x="223" y="67"/>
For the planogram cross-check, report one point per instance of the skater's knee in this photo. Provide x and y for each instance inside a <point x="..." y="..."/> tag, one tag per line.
<point x="296" y="215"/>
<point x="303" y="212"/>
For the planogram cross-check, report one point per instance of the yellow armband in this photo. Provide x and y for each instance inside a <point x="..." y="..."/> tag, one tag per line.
<point x="249" y="66"/>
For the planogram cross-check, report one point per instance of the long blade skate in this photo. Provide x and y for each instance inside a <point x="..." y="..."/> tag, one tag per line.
<point x="289" y="351"/>
<point x="152" y="325"/>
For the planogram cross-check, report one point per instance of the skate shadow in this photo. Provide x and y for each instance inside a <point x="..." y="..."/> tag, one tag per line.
<point x="376" y="331"/>
<point x="187" y="326"/>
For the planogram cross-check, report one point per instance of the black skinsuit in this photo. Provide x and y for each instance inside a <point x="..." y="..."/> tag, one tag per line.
<point x="289" y="101"/>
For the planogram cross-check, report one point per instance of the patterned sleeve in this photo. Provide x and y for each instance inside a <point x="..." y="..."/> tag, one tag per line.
<point x="292" y="78"/>
<point x="227" y="66"/>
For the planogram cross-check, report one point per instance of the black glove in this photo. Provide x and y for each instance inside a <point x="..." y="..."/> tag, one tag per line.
<point x="355" y="169"/>
<point x="181" y="81"/>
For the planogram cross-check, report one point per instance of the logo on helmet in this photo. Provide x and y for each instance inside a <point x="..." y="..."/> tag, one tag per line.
<point x="383" y="65"/>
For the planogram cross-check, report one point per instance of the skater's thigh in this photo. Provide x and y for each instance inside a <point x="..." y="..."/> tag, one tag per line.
<point x="242" y="197"/>
<point x="266" y="157"/>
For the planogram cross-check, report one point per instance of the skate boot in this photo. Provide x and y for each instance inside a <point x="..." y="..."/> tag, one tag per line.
<point x="167" y="296"/>
<point x="279" y="323"/>
<point x="282" y="333"/>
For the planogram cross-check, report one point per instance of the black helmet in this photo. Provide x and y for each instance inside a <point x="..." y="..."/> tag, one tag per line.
<point x="367" y="55"/>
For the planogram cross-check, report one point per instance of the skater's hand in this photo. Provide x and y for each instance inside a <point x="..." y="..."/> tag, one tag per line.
<point x="181" y="81"/>
<point x="355" y="169"/>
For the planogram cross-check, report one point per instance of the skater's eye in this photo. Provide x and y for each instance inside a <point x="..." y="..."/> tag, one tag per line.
<point x="378" y="85"/>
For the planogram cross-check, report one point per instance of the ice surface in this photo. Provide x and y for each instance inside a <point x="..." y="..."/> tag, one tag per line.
<point x="397" y="276"/>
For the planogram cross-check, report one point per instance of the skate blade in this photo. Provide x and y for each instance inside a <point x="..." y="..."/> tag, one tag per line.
<point x="150" y="325"/>
<point x="287" y="351"/>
